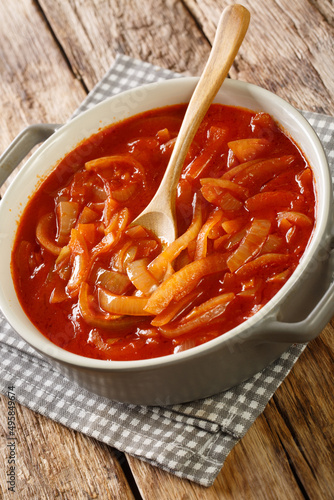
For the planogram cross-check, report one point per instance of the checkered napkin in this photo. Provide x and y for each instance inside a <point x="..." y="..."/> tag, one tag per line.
<point x="189" y="440"/>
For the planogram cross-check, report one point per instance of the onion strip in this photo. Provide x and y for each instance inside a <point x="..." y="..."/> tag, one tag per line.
<point x="174" y="309"/>
<point x="198" y="316"/>
<point x="250" y="245"/>
<point x="297" y="218"/>
<point x="116" y="324"/>
<point x="274" y="260"/>
<point x="80" y="262"/>
<point x="140" y="277"/>
<point x="184" y="281"/>
<point x="159" y="265"/>
<point x="107" y="161"/>
<point x="122" y="304"/>
<point x="67" y="214"/>
<point x="202" y="239"/>
<point x="42" y="234"/>
<point x="226" y="184"/>
<point x="248" y="149"/>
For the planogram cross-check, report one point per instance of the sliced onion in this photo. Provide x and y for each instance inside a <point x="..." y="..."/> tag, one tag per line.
<point x="108" y="161"/>
<point x="67" y="214"/>
<point x="198" y="165"/>
<point x="270" y="199"/>
<point x="208" y="305"/>
<point x="118" y="257"/>
<point x="125" y="193"/>
<point x="87" y="215"/>
<point x="80" y="261"/>
<point x="136" y="232"/>
<point x="272" y="243"/>
<point x="199" y="316"/>
<point x="122" y="304"/>
<point x="250" y="245"/>
<point x="268" y="260"/>
<point x="184" y="281"/>
<point x="58" y="294"/>
<point x="119" y="221"/>
<point x="169" y="271"/>
<point x="248" y="149"/>
<point x="240" y="191"/>
<point x="184" y="346"/>
<point x="141" y="278"/>
<point x="109" y="210"/>
<point x="297" y="218"/>
<point x="163" y="135"/>
<point x="159" y="264"/>
<point x="88" y="231"/>
<point x="256" y="175"/>
<point x="63" y="264"/>
<point x="280" y="277"/>
<point x="233" y="225"/>
<point x="220" y="197"/>
<point x="113" y="233"/>
<point x="234" y="239"/>
<point x="24" y="258"/>
<point x="113" y="281"/>
<point x="202" y="237"/>
<point x="174" y="309"/>
<point x="220" y="241"/>
<point x="212" y="145"/>
<point x="117" y="325"/>
<point x="232" y="172"/>
<point x="124" y="256"/>
<point x="44" y="227"/>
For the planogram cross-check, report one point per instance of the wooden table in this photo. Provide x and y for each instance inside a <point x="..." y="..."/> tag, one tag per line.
<point x="52" y="53"/>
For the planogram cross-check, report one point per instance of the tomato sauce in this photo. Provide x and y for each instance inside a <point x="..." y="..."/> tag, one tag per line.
<point x="99" y="287"/>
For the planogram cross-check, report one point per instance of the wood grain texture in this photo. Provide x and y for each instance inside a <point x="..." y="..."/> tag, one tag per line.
<point x="160" y="32"/>
<point x="51" y="53"/>
<point x="289" y="48"/>
<point x="56" y="462"/>
<point x="245" y="476"/>
<point x="287" y="452"/>
<point x="36" y="84"/>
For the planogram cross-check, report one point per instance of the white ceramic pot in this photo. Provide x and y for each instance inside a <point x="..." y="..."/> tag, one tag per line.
<point x="296" y="314"/>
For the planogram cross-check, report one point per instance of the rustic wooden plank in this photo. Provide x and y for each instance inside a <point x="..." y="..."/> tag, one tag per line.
<point x="56" y="462"/>
<point x="287" y="451"/>
<point x="289" y="48"/>
<point x="245" y="475"/>
<point x="36" y="84"/>
<point x="161" y="33"/>
<point x="306" y="415"/>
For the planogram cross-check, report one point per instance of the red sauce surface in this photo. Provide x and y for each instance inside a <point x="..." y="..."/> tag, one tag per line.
<point x="258" y="195"/>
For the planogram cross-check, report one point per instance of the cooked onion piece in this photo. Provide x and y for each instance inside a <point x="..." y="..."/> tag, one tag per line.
<point x="169" y="254"/>
<point x="201" y="315"/>
<point x="141" y="277"/>
<point x="184" y="281"/>
<point x="43" y="230"/>
<point x="250" y="245"/>
<point x="249" y="149"/>
<point x="122" y="304"/>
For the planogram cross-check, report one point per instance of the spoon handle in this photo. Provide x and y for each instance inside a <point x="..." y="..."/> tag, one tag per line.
<point x="230" y="32"/>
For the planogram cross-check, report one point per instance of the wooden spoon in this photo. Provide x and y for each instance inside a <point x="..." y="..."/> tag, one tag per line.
<point x="159" y="215"/>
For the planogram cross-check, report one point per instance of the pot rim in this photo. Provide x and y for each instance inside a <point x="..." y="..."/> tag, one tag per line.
<point x="37" y="340"/>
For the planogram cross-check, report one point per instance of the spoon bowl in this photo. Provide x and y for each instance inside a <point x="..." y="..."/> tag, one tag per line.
<point x="159" y="215"/>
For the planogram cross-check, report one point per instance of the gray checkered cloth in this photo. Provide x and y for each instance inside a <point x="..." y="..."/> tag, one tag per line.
<point x="189" y="440"/>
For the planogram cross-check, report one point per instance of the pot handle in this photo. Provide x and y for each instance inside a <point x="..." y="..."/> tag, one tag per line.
<point x="305" y="330"/>
<point x="21" y="145"/>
